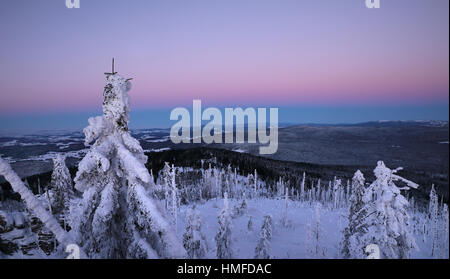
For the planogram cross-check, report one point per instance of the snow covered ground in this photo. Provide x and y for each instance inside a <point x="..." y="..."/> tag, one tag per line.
<point x="287" y="242"/>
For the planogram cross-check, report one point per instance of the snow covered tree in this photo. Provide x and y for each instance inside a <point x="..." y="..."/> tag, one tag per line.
<point x="280" y="188"/>
<point x="302" y="188"/>
<point x="433" y="213"/>
<point x="61" y="185"/>
<point x="386" y="219"/>
<point x="174" y="198"/>
<point x="116" y="217"/>
<point x="263" y="247"/>
<point x="256" y="187"/>
<point x="35" y="205"/>
<point x="284" y="219"/>
<point x="337" y="189"/>
<point x="444" y="232"/>
<point x="309" y="239"/>
<point x="351" y="248"/>
<point x="223" y="236"/>
<point x="193" y="240"/>
<point x="317" y="232"/>
<point x="239" y="209"/>
<point x="250" y="224"/>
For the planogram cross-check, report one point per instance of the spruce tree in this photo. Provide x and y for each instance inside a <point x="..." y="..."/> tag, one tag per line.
<point x="386" y="219"/>
<point x="263" y="246"/>
<point x="116" y="217"/>
<point x="61" y="185"/>
<point x="351" y="248"/>
<point x="193" y="239"/>
<point x="223" y="236"/>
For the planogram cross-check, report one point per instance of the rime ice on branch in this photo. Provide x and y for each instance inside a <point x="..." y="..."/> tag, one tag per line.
<point x="116" y="218"/>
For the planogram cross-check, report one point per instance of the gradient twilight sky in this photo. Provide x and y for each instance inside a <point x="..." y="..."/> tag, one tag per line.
<point x="277" y="53"/>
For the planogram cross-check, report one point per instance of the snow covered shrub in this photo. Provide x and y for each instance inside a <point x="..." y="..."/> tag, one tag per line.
<point x="116" y="217"/>
<point x="223" y="236"/>
<point x="263" y="247"/>
<point x="193" y="240"/>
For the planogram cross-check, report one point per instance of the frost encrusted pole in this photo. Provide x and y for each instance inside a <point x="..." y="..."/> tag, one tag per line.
<point x="34" y="205"/>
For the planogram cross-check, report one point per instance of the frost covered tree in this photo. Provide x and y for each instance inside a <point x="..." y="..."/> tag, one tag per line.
<point x="317" y="231"/>
<point x="302" y="188"/>
<point x="35" y="205"/>
<point x="193" y="240"/>
<point x="284" y="219"/>
<point x="61" y="185"/>
<point x="444" y="232"/>
<point x="263" y="246"/>
<point x="337" y="189"/>
<point x="250" y="224"/>
<point x="433" y="213"/>
<point x="223" y="236"/>
<point x="240" y="208"/>
<point x="351" y="248"/>
<point x="116" y="217"/>
<point x="386" y="219"/>
<point x="174" y="198"/>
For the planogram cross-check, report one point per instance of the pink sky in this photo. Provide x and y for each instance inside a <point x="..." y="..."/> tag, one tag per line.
<point x="227" y="52"/>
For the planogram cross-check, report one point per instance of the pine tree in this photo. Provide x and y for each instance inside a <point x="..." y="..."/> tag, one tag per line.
<point x="309" y="239"/>
<point x="337" y="188"/>
<point x="193" y="239"/>
<point x="284" y="219"/>
<point x="444" y="232"/>
<point x="240" y="209"/>
<point x="35" y="205"/>
<point x="263" y="247"/>
<point x="116" y="217"/>
<point x="61" y="185"/>
<point x="317" y="232"/>
<point x="386" y="220"/>
<point x="250" y="224"/>
<point x="174" y="196"/>
<point x="223" y="236"/>
<point x="302" y="188"/>
<point x="433" y="213"/>
<point x="351" y="248"/>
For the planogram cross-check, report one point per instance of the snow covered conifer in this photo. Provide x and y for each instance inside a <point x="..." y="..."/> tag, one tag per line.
<point x="193" y="240"/>
<point x="351" y="248"/>
<point x="317" y="231"/>
<point x="61" y="184"/>
<point x="250" y="224"/>
<point x="284" y="219"/>
<point x="444" y="232"/>
<point x="386" y="219"/>
<point x="302" y="188"/>
<point x="263" y="247"/>
<point x="239" y="209"/>
<point x="433" y="213"/>
<point x="223" y="236"/>
<point x="116" y="217"/>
